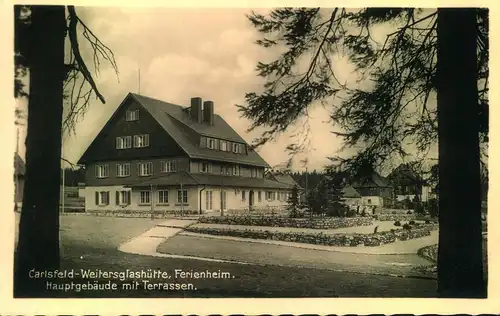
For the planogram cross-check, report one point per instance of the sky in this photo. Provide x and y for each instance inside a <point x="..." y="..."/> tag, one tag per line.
<point x="183" y="53"/>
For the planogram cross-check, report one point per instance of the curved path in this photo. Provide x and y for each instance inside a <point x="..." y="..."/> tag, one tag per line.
<point x="268" y="252"/>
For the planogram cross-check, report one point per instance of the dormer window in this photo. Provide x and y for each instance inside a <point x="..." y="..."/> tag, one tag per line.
<point x="132" y="115"/>
<point x="223" y="145"/>
<point x="210" y="143"/>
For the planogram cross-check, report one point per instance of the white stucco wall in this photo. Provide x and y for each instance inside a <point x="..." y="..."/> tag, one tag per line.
<point x="234" y="199"/>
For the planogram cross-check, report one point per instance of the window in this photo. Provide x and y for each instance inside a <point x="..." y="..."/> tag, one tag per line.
<point x="182" y="196"/>
<point x="243" y="195"/>
<point x="163" y="197"/>
<point x="102" y="171"/>
<point x="270" y="196"/>
<point x="225" y="170"/>
<point x="123" y="170"/>
<point x="253" y="172"/>
<point x="210" y="143"/>
<point x="369" y="201"/>
<point x="132" y="115"/>
<point x="145" y="169"/>
<point x="223" y="145"/>
<point x="124" y="142"/>
<point x="141" y="141"/>
<point x="145" y="197"/>
<point x="168" y="166"/>
<point x="208" y="200"/>
<point x="205" y="167"/>
<point x="122" y="197"/>
<point x="102" y="198"/>
<point x="236" y="148"/>
<point x="259" y="196"/>
<point x="236" y="170"/>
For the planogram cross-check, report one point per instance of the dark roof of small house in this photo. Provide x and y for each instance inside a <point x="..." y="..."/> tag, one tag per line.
<point x="373" y="180"/>
<point x="208" y="179"/>
<point x="19" y="165"/>
<point x="350" y="192"/>
<point x="285" y="178"/>
<point x="404" y="175"/>
<point x="176" y="121"/>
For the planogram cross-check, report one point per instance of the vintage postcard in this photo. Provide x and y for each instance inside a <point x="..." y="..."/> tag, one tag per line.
<point x="212" y="158"/>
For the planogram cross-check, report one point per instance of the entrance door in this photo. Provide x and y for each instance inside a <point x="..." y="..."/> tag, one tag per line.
<point x="250" y="199"/>
<point x="223" y="201"/>
<point x="208" y="200"/>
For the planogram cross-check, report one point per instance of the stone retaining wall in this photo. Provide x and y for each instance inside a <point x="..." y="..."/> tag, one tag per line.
<point x="323" y="223"/>
<point x="132" y="213"/>
<point x="342" y="240"/>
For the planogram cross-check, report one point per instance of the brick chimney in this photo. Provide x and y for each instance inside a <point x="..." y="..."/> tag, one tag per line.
<point x="208" y="112"/>
<point x="195" y="111"/>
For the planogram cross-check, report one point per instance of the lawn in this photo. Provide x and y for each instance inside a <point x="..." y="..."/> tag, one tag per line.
<point x="89" y="242"/>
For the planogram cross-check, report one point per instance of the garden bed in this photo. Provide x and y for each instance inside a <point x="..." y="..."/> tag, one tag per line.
<point x="342" y="240"/>
<point x="275" y="221"/>
<point x="402" y="217"/>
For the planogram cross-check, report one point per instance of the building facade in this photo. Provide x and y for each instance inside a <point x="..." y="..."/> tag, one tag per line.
<point x="157" y="156"/>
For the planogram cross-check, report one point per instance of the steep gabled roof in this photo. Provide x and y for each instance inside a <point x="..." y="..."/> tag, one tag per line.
<point x="373" y="180"/>
<point x="404" y="175"/>
<point x="176" y="121"/>
<point x="283" y="178"/>
<point x="19" y="165"/>
<point x="350" y="192"/>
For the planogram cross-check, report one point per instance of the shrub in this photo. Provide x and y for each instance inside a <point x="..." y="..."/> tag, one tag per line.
<point x="375" y="217"/>
<point x="409" y="212"/>
<point x="427" y="221"/>
<point x="397" y="223"/>
<point x="412" y="222"/>
<point x="394" y="212"/>
<point x="406" y="226"/>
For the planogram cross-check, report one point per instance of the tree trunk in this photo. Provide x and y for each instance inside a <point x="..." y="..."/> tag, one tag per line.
<point x="38" y="246"/>
<point x="460" y="266"/>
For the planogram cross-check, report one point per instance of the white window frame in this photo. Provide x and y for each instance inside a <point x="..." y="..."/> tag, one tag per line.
<point x="123" y="197"/>
<point x="209" y="200"/>
<point x="145" y="169"/>
<point x="207" y="170"/>
<point x="102" y="171"/>
<point x="210" y="143"/>
<point x="223" y="145"/>
<point x="235" y="148"/>
<point x="103" y="198"/>
<point x="132" y="115"/>
<point x="141" y="141"/>
<point x="122" y="170"/>
<point x="168" y="166"/>
<point x="145" y="197"/>
<point x="123" y="142"/>
<point x="236" y="170"/>
<point x="184" y="198"/>
<point x="163" y="197"/>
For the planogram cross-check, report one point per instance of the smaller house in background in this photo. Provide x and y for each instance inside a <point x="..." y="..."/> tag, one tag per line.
<point x="408" y="184"/>
<point x="351" y="196"/>
<point x="286" y="179"/>
<point x="374" y="189"/>
<point x="19" y="173"/>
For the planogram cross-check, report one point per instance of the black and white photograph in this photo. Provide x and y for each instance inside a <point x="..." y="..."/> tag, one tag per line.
<point x="286" y="152"/>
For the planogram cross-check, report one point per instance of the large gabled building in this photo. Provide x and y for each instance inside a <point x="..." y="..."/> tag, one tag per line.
<point x="156" y="155"/>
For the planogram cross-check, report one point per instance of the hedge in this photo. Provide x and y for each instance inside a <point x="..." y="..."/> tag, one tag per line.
<point x="322" y="223"/>
<point x="342" y="240"/>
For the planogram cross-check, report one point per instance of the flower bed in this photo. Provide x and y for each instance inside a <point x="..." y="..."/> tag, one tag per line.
<point x="274" y="221"/>
<point x="136" y="213"/>
<point x="342" y="240"/>
<point x="429" y="253"/>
